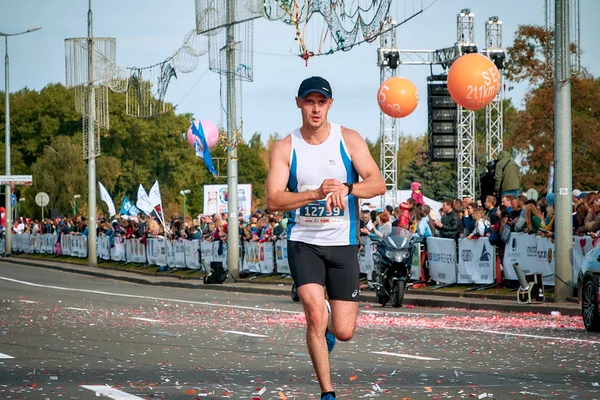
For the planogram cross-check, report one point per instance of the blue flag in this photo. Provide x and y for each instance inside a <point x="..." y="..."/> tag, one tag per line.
<point x="129" y="209"/>
<point x="203" y="153"/>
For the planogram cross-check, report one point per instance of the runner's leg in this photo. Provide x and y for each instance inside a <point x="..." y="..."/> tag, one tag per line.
<point x="313" y="300"/>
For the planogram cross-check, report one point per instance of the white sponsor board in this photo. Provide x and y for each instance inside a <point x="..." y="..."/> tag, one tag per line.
<point x="216" y="199"/>
<point x="365" y="256"/>
<point x="476" y="261"/>
<point x="281" y="257"/>
<point x="266" y="259"/>
<point x="442" y="259"/>
<point x="521" y="249"/>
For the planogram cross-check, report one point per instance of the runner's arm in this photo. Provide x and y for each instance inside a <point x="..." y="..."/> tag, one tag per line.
<point x="372" y="184"/>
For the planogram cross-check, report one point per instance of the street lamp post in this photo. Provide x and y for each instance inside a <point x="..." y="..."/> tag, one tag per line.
<point x="184" y="193"/>
<point x="8" y="189"/>
<point x="77" y="196"/>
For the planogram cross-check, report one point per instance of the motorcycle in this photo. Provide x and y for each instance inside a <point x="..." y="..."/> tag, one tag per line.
<point x="392" y="262"/>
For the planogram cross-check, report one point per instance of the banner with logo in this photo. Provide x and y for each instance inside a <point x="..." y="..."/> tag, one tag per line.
<point x="216" y="199"/>
<point x="206" y="255"/>
<point x="281" y="257"/>
<point x="415" y="268"/>
<point x="365" y="257"/>
<point x="266" y="259"/>
<point x="442" y="259"/>
<point x="118" y="253"/>
<point x="546" y="260"/>
<point x="476" y="261"/>
<point x="192" y="253"/>
<point x="521" y="249"/>
<point x="251" y="261"/>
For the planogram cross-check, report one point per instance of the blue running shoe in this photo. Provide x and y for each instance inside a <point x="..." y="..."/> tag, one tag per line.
<point x="328" y="396"/>
<point x="329" y="337"/>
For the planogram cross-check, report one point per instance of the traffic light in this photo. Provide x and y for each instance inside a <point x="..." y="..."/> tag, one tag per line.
<point x="442" y="120"/>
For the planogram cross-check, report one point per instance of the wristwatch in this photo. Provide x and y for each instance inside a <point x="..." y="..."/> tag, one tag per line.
<point x="349" y="186"/>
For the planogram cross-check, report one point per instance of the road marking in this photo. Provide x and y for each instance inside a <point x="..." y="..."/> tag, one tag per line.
<point x="270" y="309"/>
<point x="385" y="353"/>
<point x="28" y="301"/>
<point x="76" y="309"/>
<point x="407" y="313"/>
<point x="134" y="296"/>
<point x="4" y="356"/>
<point x="146" y="319"/>
<point x="109" y="392"/>
<point x="527" y="335"/>
<point x="244" y="333"/>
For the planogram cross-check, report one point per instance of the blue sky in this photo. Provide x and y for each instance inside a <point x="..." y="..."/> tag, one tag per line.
<point x="149" y="31"/>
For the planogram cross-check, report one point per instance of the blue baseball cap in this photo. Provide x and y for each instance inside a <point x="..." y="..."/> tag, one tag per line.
<point x="315" y="84"/>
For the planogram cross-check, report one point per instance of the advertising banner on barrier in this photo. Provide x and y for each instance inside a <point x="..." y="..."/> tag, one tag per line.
<point x="117" y="253"/>
<point x="192" y="253"/>
<point x="545" y="260"/>
<point x="266" y="259"/>
<point x="581" y="246"/>
<point x="281" y="257"/>
<point x="216" y="198"/>
<point x="220" y="253"/>
<point x="170" y="251"/>
<point x="365" y="256"/>
<point x="476" y="261"/>
<point x="206" y="255"/>
<point x="251" y="260"/>
<point x="521" y="249"/>
<point x="415" y="268"/>
<point x="442" y="259"/>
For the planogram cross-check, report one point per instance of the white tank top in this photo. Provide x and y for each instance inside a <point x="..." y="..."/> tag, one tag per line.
<point x="310" y="165"/>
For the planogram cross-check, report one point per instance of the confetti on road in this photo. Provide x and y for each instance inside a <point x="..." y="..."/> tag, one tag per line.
<point x="147" y="347"/>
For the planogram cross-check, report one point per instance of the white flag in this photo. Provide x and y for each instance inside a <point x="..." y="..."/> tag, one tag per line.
<point x="143" y="202"/>
<point x="154" y="196"/>
<point x="108" y="200"/>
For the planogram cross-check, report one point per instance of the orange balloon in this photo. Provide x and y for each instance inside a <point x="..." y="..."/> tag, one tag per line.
<point x="397" y="97"/>
<point x="473" y="81"/>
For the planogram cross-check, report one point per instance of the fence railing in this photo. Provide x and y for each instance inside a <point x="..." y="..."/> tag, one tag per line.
<point x="471" y="262"/>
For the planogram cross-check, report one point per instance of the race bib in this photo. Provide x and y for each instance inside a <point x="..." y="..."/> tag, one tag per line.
<point x="316" y="214"/>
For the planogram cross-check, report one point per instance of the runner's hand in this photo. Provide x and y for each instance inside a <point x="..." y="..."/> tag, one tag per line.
<point x="336" y="199"/>
<point x="328" y="186"/>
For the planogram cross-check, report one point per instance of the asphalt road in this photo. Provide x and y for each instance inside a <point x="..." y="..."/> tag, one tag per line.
<point x="68" y="336"/>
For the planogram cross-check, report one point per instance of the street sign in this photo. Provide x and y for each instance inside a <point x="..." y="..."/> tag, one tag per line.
<point x="16" y="180"/>
<point x="42" y="199"/>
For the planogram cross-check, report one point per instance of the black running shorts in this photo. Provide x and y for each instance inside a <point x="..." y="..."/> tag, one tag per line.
<point x="335" y="267"/>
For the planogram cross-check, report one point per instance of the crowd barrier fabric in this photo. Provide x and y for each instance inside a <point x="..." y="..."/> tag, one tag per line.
<point x="442" y="259"/>
<point x="281" y="257"/>
<point x="476" y="261"/>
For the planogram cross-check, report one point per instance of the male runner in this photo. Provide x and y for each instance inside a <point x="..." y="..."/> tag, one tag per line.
<point x="319" y="165"/>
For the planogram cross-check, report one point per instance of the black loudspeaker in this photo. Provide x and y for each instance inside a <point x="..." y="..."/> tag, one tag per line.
<point x="442" y="120"/>
<point x="218" y="273"/>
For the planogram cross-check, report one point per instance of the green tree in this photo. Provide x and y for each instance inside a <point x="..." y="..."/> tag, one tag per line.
<point x="438" y="180"/>
<point x="531" y="133"/>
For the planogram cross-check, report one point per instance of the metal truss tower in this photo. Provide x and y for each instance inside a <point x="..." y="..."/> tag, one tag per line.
<point x="388" y="58"/>
<point x="466" y="118"/>
<point x="494" y="111"/>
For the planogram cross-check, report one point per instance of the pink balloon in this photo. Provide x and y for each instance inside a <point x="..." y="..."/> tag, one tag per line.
<point x="211" y="133"/>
